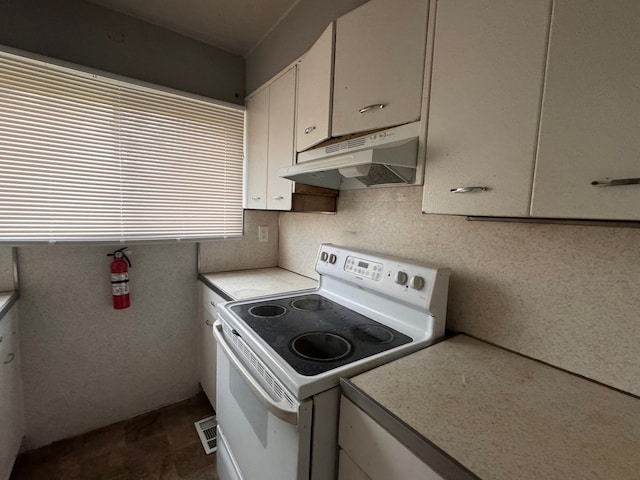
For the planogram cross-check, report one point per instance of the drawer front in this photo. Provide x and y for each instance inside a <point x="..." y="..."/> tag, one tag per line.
<point x="374" y="450"/>
<point x="210" y="300"/>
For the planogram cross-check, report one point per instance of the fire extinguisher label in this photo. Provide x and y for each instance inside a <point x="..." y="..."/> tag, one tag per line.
<point x="119" y="277"/>
<point x="120" y="283"/>
<point x="120" y="288"/>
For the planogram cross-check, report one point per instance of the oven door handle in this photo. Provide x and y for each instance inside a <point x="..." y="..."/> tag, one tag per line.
<point x="280" y="409"/>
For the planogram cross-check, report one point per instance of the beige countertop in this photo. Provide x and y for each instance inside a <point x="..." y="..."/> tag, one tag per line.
<point x="507" y="417"/>
<point x="258" y="282"/>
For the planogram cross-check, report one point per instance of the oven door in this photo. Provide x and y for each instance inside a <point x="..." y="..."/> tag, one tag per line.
<point x="266" y="431"/>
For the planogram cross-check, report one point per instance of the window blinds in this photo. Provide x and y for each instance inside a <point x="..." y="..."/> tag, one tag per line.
<point x="88" y="158"/>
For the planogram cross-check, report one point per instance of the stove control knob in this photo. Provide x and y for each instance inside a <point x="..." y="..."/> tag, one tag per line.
<point x="416" y="282"/>
<point x="400" y="278"/>
<point x="332" y="258"/>
<point x="324" y="256"/>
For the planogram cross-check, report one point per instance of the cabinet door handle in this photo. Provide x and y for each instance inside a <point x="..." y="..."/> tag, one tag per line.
<point x="308" y="130"/>
<point x="278" y="197"/>
<point x="208" y="322"/>
<point x="469" y="189"/>
<point x="375" y="106"/>
<point x="10" y="358"/>
<point x="256" y="198"/>
<point x="616" y="182"/>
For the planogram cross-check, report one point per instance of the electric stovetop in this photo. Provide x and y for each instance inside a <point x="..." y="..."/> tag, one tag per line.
<point x="314" y="334"/>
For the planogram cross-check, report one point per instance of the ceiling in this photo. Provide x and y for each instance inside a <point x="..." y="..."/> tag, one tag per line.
<point x="236" y="26"/>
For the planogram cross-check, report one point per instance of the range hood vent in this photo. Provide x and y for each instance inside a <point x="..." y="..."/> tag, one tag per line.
<point x="387" y="157"/>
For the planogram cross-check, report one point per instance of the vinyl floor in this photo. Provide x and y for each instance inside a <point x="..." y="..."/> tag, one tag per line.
<point x="160" y="445"/>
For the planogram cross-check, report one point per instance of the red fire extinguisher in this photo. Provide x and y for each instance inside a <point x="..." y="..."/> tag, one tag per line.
<point x="120" y="278"/>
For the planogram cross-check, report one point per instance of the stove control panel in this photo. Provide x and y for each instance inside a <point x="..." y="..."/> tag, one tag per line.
<point x="365" y="275"/>
<point x="364" y="268"/>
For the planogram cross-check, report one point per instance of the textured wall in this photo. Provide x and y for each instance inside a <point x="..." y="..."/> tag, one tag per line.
<point x="246" y="252"/>
<point x="86" y="365"/>
<point x="90" y="35"/>
<point x="567" y="295"/>
<point x="6" y="269"/>
<point x="292" y="37"/>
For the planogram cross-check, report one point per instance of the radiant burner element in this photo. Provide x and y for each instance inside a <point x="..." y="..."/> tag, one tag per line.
<point x="311" y="304"/>
<point x="321" y="346"/>
<point x="372" y="333"/>
<point x="267" y="311"/>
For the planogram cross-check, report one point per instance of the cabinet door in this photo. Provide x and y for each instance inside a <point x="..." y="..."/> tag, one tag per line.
<point x="348" y="470"/>
<point x="379" y="60"/>
<point x="282" y="99"/>
<point x="371" y="450"/>
<point x="315" y="79"/>
<point x="591" y="113"/>
<point x="257" y="138"/>
<point x="208" y="348"/>
<point x="486" y="88"/>
<point x="11" y="399"/>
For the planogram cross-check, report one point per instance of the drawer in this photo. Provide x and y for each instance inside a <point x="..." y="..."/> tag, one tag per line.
<point x="374" y="451"/>
<point x="210" y="299"/>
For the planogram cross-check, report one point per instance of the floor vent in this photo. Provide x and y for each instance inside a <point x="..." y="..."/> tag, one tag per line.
<point x="206" y="429"/>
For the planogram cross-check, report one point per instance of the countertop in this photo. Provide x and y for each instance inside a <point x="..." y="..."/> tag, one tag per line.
<point x="256" y="282"/>
<point x="480" y="411"/>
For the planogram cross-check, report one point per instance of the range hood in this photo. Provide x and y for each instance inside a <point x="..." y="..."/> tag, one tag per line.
<point x="388" y="157"/>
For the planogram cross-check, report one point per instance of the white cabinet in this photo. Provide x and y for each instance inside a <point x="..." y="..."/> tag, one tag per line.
<point x="369" y="452"/>
<point x="315" y="79"/>
<point x="590" y="124"/>
<point x="499" y="145"/>
<point x="379" y="60"/>
<point x="257" y="138"/>
<point x="270" y="144"/>
<point x="207" y="314"/>
<point x="11" y="397"/>
<point x="486" y="87"/>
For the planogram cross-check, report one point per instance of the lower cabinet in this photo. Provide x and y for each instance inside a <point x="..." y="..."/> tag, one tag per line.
<point x="207" y="314"/>
<point x="11" y="397"/>
<point x="369" y="452"/>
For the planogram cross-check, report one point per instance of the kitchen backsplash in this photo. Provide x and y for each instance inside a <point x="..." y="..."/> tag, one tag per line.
<point x="246" y="252"/>
<point x="567" y="295"/>
<point x="6" y="269"/>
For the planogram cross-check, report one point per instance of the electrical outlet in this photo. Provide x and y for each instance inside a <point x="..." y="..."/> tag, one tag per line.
<point x="263" y="234"/>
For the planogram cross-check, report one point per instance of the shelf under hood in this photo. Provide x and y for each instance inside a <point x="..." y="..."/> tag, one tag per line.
<point x="382" y="158"/>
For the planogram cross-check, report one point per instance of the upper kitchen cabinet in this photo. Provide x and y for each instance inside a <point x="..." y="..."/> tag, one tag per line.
<point x="589" y="153"/>
<point x="379" y="65"/>
<point x="315" y="79"/>
<point x="270" y="143"/>
<point x="487" y="79"/>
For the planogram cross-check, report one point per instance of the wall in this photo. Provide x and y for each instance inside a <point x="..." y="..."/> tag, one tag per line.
<point x="246" y="252"/>
<point x="293" y="37"/>
<point x="567" y="295"/>
<point x="90" y="35"/>
<point x="86" y="365"/>
<point x="6" y="269"/>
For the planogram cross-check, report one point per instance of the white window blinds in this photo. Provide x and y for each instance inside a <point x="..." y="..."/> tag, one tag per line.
<point x="88" y="158"/>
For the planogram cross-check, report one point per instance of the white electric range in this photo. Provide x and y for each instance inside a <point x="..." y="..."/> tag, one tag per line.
<point x="280" y="358"/>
